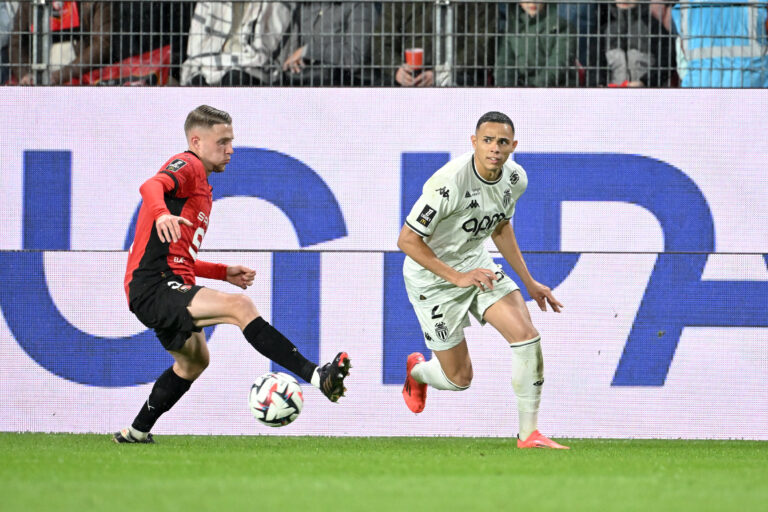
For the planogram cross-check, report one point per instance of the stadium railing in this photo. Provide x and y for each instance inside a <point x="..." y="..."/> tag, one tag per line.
<point x="362" y="43"/>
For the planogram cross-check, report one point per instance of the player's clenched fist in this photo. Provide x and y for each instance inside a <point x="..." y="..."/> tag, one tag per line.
<point x="168" y="228"/>
<point x="240" y="276"/>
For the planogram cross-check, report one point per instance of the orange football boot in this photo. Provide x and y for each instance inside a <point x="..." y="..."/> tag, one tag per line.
<point x="414" y="392"/>
<point x="538" y="440"/>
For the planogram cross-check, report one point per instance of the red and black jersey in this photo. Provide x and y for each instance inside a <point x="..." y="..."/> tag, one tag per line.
<point x="180" y="188"/>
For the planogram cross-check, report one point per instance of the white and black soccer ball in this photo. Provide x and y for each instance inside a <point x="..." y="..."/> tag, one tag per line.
<point x="276" y="399"/>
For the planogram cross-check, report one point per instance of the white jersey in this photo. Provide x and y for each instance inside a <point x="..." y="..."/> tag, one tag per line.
<point x="457" y="211"/>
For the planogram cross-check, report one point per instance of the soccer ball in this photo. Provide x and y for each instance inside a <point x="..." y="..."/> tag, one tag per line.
<point x="276" y="399"/>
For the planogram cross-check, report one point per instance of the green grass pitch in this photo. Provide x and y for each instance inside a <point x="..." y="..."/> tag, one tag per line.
<point x="65" y="472"/>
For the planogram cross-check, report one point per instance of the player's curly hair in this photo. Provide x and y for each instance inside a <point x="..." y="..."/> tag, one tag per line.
<point x="495" y="117"/>
<point x="206" y="116"/>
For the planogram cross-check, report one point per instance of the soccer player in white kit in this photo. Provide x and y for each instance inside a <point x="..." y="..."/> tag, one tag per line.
<point x="448" y="273"/>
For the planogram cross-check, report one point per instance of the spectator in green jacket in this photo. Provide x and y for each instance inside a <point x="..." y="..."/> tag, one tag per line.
<point x="538" y="48"/>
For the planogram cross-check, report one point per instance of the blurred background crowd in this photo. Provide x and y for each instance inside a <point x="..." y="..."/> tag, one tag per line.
<point x="436" y="43"/>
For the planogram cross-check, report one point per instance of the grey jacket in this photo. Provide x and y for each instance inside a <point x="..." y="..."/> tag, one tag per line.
<point x="337" y="41"/>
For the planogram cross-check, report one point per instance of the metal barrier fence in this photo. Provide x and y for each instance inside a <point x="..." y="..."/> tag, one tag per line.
<point x="610" y="43"/>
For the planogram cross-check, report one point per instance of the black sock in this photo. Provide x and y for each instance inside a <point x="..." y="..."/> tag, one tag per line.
<point x="270" y="343"/>
<point x="165" y="393"/>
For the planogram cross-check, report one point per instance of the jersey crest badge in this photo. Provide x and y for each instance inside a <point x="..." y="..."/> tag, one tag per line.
<point x="507" y="197"/>
<point x="177" y="164"/>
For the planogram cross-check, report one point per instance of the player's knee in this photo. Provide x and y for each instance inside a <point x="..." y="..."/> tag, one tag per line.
<point x="242" y="308"/>
<point x="525" y="334"/>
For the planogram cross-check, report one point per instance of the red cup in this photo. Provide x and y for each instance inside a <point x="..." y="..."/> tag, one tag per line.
<point x="414" y="57"/>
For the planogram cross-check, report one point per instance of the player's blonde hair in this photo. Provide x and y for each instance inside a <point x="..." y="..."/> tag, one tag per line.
<point x="206" y="116"/>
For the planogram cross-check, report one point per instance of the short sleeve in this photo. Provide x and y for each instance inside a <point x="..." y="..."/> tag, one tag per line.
<point x="518" y="180"/>
<point x="434" y="205"/>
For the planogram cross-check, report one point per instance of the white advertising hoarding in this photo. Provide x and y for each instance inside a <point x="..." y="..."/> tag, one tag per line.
<point x="645" y="212"/>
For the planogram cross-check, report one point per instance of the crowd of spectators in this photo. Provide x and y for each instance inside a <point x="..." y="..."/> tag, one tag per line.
<point x="619" y="43"/>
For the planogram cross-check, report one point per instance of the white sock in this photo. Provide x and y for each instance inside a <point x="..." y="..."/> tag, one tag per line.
<point x="315" y="380"/>
<point x="432" y="373"/>
<point x="138" y="434"/>
<point x="527" y="380"/>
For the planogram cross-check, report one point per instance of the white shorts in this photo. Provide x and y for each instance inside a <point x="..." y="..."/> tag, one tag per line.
<point x="443" y="315"/>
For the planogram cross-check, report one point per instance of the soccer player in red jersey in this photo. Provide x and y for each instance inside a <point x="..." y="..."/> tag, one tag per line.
<point x="162" y="266"/>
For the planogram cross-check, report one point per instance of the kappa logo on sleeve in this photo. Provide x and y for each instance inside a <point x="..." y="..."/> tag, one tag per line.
<point x="177" y="164"/>
<point x="426" y="215"/>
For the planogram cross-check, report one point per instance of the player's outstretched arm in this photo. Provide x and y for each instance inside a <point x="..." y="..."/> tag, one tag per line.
<point x="504" y="238"/>
<point x="237" y="275"/>
<point x="412" y="245"/>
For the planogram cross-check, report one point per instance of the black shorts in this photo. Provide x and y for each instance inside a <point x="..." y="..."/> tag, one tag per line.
<point x="164" y="309"/>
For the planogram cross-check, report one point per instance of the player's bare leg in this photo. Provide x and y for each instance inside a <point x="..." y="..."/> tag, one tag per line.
<point x="211" y="307"/>
<point x="448" y="370"/>
<point x="456" y="365"/>
<point x="511" y="318"/>
<point x="189" y="363"/>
